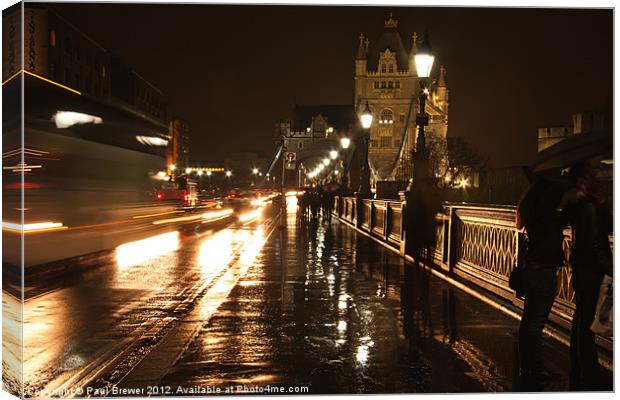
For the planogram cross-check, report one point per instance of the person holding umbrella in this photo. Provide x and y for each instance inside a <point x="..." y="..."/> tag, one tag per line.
<point x="541" y="214"/>
<point x="591" y="259"/>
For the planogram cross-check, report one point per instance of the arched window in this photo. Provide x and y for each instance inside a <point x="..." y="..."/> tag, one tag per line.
<point x="387" y="117"/>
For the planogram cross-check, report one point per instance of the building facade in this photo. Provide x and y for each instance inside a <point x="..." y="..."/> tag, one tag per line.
<point x="583" y="122"/>
<point x="58" y="52"/>
<point x="312" y="131"/>
<point x="386" y="78"/>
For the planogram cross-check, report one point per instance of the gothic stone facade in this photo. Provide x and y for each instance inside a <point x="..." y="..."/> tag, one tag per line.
<point x="386" y="78"/>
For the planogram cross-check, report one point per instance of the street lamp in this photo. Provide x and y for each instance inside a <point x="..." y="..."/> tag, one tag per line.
<point x="255" y="171"/>
<point x="188" y="171"/>
<point x="424" y="59"/>
<point x="333" y="154"/>
<point x="366" y="120"/>
<point x="420" y="199"/>
<point x="228" y="174"/>
<point x="172" y="167"/>
<point x="345" y="142"/>
<point x="326" y="161"/>
<point x="209" y="173"/>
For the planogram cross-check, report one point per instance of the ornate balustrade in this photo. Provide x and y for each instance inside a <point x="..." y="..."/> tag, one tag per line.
<point x="477" y="243"/>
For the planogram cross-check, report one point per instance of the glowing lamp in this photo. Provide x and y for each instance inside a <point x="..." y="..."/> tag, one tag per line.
<point x="345" y="142"/>
<point x="424" y="58"/>
<point x="333" y="154"/>
<point x="366" y="117"/>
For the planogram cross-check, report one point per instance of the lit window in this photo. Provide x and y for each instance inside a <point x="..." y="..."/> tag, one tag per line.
<point x="391" y="68"/>
<point x="397" y="84"/>
<point x="390" y="85"/>
<point x="376" y="84"/>
<point x="386" y="141"/>
<point x="387" y="117"/>
<point x="383" y="85"/>
<point x="383" y="68"/>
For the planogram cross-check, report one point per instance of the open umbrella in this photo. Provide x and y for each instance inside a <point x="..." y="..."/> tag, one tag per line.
<point x="578" y="147"/>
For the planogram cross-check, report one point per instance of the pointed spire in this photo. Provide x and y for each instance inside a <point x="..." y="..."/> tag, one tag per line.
<point x="414" y="43"/>
<point x="367" y="42"/>
<point x="361" y="50"/>
<point x="442" y="77"/>
<point x="391" y="23"/>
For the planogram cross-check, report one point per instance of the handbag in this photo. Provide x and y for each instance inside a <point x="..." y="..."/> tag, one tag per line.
<point x="603" y="323"/>
<point x="516" y="279"/>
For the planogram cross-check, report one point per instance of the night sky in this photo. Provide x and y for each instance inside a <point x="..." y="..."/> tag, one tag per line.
<point x="233" y="71"/>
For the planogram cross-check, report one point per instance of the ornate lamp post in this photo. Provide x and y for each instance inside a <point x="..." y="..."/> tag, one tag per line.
<point x="424" y="59"/>
<point x="421" y="202"/>
<point x="366" y="120"/>
<point x="345" y="142"/>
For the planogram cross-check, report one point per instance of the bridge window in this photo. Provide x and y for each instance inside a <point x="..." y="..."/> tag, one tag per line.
<point x="387" y="117"/>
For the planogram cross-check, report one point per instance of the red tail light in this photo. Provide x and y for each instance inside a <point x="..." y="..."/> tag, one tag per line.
<point x="160" y="196"/>
<point x="232" y="196"/>
<point x="186" y="197"/>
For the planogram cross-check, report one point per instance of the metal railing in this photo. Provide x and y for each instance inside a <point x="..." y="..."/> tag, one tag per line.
<point x="478" y="243"/>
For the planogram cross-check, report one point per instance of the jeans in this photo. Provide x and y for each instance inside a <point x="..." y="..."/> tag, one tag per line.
<point x="540" y="284"/>
<point x="583" y="355"/>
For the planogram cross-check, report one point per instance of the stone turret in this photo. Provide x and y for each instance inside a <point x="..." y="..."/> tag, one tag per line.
<point x="442" y="90"/>
<point x="360" y="58"/>
<point x="412" y="53"/>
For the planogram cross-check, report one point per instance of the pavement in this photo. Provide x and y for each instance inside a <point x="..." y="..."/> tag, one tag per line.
<point x="327" y="310"/>
<point x="242" y="305"/>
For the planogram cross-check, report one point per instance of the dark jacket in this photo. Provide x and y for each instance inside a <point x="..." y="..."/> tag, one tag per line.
<point x="592" y="224"/>
<point x="544" y="224"/>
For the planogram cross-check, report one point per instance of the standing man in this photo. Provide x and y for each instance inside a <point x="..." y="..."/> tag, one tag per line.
<point x="591" y="259"/>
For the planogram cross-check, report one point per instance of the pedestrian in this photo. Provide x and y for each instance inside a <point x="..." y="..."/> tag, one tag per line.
<point x="591" y="259"/>
<point x="540" y="214"/>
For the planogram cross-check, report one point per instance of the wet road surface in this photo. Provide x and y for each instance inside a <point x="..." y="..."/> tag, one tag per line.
<point x="328" y="309"/>
<point x="240" y="303"/>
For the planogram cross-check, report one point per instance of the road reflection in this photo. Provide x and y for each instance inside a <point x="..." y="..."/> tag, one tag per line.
<point x="139" y="287"/>
<point x="135" y="253"/>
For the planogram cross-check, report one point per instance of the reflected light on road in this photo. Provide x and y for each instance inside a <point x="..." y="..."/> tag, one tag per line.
<point x="216" y="215"/>
<point x="250" y="215"/>
<point x="12" y="330"/>
<point x="134" y="253"/>
<point x="215" y="253"/>
<point x="291" y="203"/>
<point x="253" y="246"/>
<point x="362" y="354"/>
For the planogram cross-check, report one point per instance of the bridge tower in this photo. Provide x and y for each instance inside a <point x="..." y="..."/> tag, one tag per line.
<point x="386" y="78"/>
